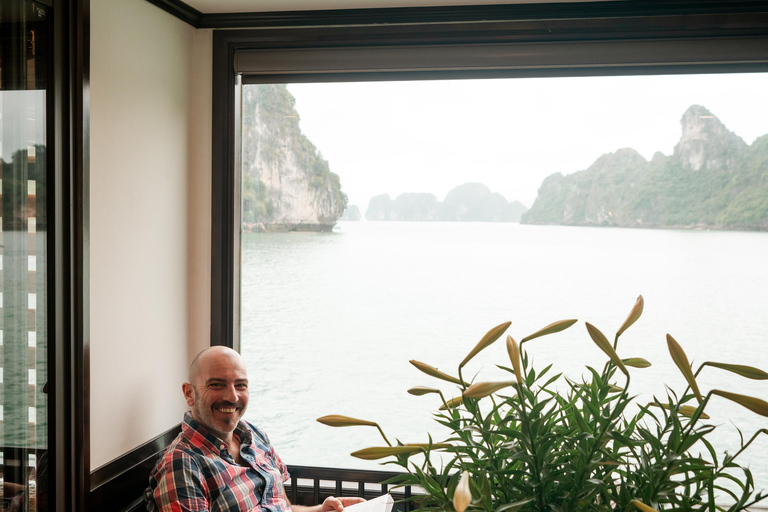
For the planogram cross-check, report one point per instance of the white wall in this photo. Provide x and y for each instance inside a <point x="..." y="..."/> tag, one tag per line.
<point x="149" y="219"/>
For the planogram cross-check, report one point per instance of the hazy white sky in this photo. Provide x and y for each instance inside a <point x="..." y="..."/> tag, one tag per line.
<point x="396" y="137"/>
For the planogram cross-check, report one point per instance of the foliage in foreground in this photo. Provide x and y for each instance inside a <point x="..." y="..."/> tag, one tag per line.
<point x="522" y="445"/>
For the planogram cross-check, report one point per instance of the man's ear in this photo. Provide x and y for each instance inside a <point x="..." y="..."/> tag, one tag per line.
<point x="189" y="393"/>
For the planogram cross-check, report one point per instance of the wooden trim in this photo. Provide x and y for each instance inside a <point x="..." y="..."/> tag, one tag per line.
<point x="504" y="57"/>
<point x="349" y="475"/>
<point x="179" y="9"/>
<point x="69" y="431"/>
<point x="453" y="14"/>
<point x="223" y="183"/>
<point x="118" y="485"/>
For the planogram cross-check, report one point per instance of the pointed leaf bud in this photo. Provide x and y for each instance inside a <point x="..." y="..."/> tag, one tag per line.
<point x="422" y="390"/>
<point x="681" y="360"/>
<point x="636" y="362"/>
<point x="452" y="403"/>
<point x="602" y="342"/>
<point x="483" y="389"/>
<point x="749" y="372"/>
<point x="552" y="328"/>
<point x="637" y="310"/>
<point x="379" y="452"/>
<point x="514" y="357"/>
<point x="337" y="420"/>
<point x="753" y="404"/>
<point x="462" y="496"/>
<point x="434" y="372"/>
<point x="486" y="341"/>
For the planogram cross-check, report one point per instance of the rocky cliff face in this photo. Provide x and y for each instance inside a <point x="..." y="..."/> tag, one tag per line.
<point x="712" y="180"/>
<point x="706" y="142"/>
<point x="287" y="185"/>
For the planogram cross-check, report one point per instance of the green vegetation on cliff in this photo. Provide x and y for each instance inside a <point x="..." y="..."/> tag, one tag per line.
<point x="286" y="181"/>
<point x="712" y="180"/>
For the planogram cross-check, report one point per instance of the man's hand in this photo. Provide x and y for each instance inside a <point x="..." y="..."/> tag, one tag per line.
<point x="332" y="504"/>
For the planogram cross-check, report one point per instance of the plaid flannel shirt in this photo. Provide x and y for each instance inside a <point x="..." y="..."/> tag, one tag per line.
<point x="197" y="473"/>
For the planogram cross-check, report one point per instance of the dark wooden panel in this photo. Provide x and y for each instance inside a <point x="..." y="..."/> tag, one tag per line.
<point x="476" y="13"/>
<point x="118" y="486"/>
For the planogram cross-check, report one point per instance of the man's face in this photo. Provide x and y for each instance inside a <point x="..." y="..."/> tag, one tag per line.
<point x="219" y="395"/>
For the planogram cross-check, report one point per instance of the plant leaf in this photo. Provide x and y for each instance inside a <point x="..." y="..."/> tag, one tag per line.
<point x="337" y="420"/>
<point x="636" y="362"/>
<point x="483" y="389"/>
<point x="602" y="342"/>
<point x="514" y="357"/>
<point x="681" y="360"/>
<point x="452" y="403"/>
<point x="434" y="372"/>
<point x="513" y="507"/>
<point x="486" y="341"/>
<point x="379" y="452"/>
<point x="642" y="506"/>
<point x="749" y="372"/>
<point x="751" y="403"/>
<point x="634" y="314"/>
<point x="422" y="390"/>
<point x="552" y="328"/>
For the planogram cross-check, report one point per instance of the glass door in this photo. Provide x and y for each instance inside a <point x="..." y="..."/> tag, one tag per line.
<point x="24" y="55"/>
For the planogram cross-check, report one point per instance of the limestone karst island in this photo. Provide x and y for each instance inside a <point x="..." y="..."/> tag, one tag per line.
<point x="470" y="202"/>
<point x="712" y="180"/>
<point x="287" y="185"/>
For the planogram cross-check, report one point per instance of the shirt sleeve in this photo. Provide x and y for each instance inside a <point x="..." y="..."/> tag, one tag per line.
<point x="179" y="485"/>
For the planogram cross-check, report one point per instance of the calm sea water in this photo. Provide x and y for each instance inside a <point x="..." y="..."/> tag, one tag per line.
<point x="330" y="320"/>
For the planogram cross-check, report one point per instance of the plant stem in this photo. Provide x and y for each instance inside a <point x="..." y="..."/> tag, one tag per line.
<point x="525" y="421"/>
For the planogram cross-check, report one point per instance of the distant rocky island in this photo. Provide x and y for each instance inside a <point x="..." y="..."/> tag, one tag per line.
<point x="351" y="213"/>
<point x="470" y="202"/>
<point x="287" y="185"/>
<point x="712" y="180"/>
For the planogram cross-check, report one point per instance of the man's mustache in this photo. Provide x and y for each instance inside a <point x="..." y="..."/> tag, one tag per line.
<point x="225" y="403"/>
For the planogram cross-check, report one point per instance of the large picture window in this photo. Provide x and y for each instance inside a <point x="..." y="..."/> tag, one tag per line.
<point x="389" y="221"/>
<point x="517" y="178"/>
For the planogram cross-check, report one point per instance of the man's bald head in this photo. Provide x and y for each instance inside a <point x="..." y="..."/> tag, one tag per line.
<point x="217" y="391"/>
<point x="205" y="356"/>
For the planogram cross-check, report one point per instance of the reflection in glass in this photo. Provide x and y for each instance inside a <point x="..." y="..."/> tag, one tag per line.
<point x="23" y="336"/>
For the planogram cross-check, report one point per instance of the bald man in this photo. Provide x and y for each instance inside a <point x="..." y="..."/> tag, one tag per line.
<point x="219" y="462"/>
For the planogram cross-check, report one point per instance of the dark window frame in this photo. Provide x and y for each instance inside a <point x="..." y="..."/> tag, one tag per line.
<point x="629" y="37"/>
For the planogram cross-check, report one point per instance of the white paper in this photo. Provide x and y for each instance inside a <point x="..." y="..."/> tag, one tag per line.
<point x="383" y="503"/>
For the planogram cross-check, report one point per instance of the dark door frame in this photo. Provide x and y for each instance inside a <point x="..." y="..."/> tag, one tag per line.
<point x="68" y="328"/>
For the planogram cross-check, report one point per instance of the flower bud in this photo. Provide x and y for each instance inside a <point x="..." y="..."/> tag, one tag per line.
<point x="462" y="496"/>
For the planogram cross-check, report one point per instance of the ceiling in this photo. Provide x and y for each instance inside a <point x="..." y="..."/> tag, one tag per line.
<point x="231" y="6"/>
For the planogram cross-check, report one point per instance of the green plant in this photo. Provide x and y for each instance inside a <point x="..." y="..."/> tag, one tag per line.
<point x="524" y="445"/>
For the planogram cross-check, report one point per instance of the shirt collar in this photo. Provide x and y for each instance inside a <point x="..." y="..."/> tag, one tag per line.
<point x="191" y="428"/>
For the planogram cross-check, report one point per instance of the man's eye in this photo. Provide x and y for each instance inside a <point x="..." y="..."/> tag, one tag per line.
<point x="242" y="386"/>
<point x="217" y="386"/>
